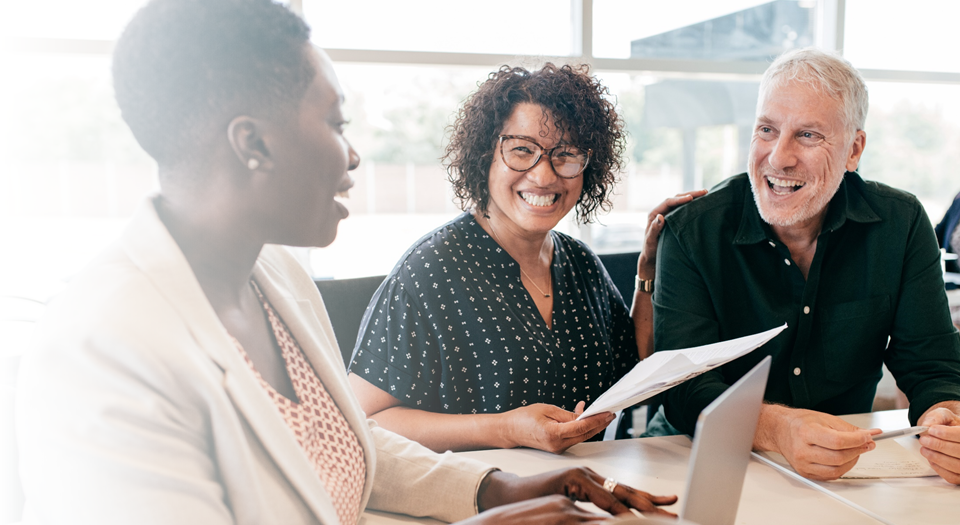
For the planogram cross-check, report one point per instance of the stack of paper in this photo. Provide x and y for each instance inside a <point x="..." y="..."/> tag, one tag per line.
<point x="667" y="369"/>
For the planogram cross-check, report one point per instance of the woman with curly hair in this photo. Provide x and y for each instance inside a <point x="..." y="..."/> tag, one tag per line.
<point x="494" y="330"/>
<point x="190" y="374"/>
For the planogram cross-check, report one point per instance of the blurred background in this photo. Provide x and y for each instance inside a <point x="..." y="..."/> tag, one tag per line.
<point x="683" y="73"/>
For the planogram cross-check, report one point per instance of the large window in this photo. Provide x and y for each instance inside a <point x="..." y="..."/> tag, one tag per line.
<point x="512" y="27"/>
<point x="914" y="36"/>
<point x="683" y="74"/>
<point x="702" y="29"/>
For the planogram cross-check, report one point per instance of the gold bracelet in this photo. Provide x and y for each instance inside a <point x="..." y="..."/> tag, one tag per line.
<point x="643" y="285"/>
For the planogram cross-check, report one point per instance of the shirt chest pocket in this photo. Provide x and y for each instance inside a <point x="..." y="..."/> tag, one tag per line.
<point x="853" y="337"/>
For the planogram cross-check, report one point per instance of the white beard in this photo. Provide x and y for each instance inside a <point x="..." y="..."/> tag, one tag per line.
<point x="793" y="216"/>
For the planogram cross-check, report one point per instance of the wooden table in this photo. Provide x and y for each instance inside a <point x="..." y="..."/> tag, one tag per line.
<point x="907" y="501"/>
<point x="659" y="466"/>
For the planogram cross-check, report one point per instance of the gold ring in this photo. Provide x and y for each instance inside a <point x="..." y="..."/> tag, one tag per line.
<point x="610" y="485"/>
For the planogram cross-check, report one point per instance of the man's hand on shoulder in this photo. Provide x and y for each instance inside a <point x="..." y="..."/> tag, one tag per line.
<point x="941" y="444"/>
<point x="817" y="445"/>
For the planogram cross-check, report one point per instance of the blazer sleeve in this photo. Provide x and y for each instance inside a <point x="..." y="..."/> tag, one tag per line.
<point x="411" y="479"/>
<point x="110" y="439"/>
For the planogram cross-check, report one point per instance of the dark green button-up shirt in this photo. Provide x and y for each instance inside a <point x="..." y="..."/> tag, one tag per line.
<point x="873" y="294"/>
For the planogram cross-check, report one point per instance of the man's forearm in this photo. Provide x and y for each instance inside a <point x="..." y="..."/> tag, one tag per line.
<point x="771" y="417"/>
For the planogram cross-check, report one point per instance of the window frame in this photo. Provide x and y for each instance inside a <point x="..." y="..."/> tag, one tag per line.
<point x="831" y="22"/>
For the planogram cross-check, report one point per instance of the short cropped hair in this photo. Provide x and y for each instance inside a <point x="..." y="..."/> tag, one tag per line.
<point x="183" y="69"/>
<point x="578" y="105"/>
<point x="831" y="74"/>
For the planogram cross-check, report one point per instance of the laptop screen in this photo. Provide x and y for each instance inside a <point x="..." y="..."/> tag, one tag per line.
<point x="721" y="450"/>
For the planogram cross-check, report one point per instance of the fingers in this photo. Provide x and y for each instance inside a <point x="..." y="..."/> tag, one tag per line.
<point x="654" y="227"/>
<point x="560" y="430"/>
<point x="941" y="447"/>
<point x="941" y="443"/>
<point x="672" y="202"/>
<point x="647" y="264"/>
<point x="820" y="446"/>
<point x="585" y="427"/>
<point x="838" y="440"/>
<point x="583" y="484"/>
<point x="655" y="222"/>
<point x="547" y="509"/>
<point x="579" y="408"/>
<point x="553" y="429"/>
<point x="642" y="501"/>
<point x="622" y="499"/>
<point x="840" y="445"/>
<point x="820" y="463"/>
<point x="947" y="467"/>
<point x="940" y="416"/>
<point x="827" y="471"/>
<point x="555" y="413"/>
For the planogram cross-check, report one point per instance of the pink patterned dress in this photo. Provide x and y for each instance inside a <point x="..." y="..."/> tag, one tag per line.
<point x="328" y="441"/>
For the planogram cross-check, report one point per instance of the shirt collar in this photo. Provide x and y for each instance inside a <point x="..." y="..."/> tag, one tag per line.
<point x="847" y="204"/>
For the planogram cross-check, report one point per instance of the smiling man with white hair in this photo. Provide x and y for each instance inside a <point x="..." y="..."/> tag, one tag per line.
<point x="852" y="266"/>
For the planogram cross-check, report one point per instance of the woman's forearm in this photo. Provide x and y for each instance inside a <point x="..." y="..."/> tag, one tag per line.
<point x="642" y="312"/>
<point x="642" y="308"/>
<point x="442" y="432"/>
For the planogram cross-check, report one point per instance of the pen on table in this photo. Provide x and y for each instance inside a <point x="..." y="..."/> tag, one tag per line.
<point x="912" y="431"/>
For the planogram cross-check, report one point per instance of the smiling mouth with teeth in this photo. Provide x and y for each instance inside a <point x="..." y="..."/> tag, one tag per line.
<point x="783" y="186"/>
<point x="539" y="200"/>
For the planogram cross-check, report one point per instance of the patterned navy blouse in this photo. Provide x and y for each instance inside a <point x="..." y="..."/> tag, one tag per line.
<point x="453" y="330"/>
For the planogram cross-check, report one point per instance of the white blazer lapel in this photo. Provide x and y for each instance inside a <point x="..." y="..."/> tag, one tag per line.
<point x="305" y="315"/>
<point x="150" y="246"/>
<point x="271" y="429"/>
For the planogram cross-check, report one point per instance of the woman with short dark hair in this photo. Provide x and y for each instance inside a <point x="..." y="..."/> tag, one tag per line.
<point x="190" y="375"/>
<point x="493" y="330"/>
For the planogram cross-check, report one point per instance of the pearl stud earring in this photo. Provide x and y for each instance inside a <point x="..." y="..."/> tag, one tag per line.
<point x="253" y="164"/>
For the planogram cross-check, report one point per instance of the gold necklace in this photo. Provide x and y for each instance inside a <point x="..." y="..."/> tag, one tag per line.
<point x="497" y="237"/>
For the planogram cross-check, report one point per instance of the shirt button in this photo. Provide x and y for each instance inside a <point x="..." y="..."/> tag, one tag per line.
<point x="787" y="262"/>
<point x="806" y="309"/>
<point x="796" y="371"/>
<point x="773" y="244"/>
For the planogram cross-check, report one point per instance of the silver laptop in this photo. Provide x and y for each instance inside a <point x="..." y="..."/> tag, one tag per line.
<point x="721" y="450"/>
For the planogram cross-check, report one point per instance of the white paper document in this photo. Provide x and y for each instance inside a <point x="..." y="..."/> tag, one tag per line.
<point x="890" y="460"/>
<point x="666" y="369"/>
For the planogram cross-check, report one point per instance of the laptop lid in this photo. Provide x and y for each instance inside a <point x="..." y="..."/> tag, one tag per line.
<point x="721" y="450"/>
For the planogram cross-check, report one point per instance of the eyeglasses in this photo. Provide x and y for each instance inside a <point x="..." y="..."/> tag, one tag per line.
<point x="523" y="153"/>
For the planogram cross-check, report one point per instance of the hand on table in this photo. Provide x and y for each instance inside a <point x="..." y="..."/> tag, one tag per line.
<point x="655" y="221"/>
<point x="817" y="445"/>
<point x="941" y="444"/>
<point x="549" y="498"/>
<point x="551" y="428"/>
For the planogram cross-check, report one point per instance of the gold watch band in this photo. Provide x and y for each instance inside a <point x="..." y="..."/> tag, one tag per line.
<point x="643" y="285"/>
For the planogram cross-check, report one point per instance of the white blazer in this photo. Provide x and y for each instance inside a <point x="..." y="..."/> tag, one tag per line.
<point x="134" y="406"/>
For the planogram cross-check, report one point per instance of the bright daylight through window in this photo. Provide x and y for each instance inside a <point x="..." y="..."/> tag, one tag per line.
<point x="683" y="74"/>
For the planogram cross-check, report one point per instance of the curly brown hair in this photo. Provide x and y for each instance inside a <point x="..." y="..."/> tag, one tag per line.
<point x="578" y="105"/>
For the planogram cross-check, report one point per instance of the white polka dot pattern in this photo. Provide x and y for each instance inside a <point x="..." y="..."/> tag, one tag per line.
<point x="326" y="438"/>
<point x="455" y="331"/>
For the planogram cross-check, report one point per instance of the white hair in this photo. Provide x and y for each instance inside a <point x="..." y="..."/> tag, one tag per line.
<point x="829" y="73"/>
